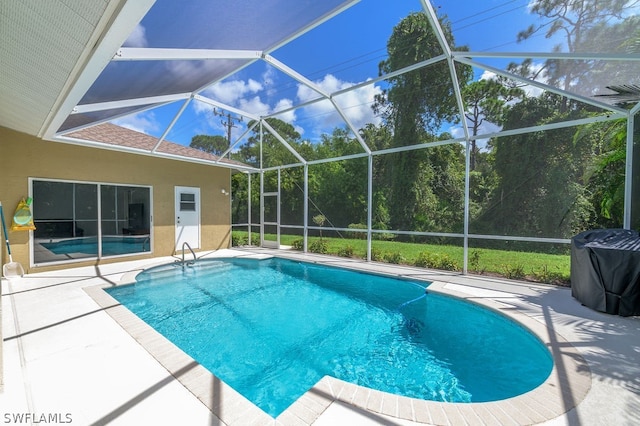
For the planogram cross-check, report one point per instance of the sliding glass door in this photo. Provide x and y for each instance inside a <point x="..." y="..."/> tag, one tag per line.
<point x="79" y="220"/>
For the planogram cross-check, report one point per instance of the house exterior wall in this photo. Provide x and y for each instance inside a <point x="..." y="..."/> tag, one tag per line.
<point x="25" y="156"/>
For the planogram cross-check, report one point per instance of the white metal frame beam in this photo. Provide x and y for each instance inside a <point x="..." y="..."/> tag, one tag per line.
<point x="295" y="75"/>
<point x="628" y="175"/>
<point x="313" y="86"/>
<point x="172" y="123"/>
<point x="156" y="54"/>
<point x="225" y="107"/>
<point x="552" y="89"/>
<point x="313" y="25"/>
<point x="128" y="103"/>
<point x="112" y="32"/>
<point x="233" y="145"/>
<point x="548" y="55"/>
<point x="283" y="142"/>
<point x="126" y="14"/>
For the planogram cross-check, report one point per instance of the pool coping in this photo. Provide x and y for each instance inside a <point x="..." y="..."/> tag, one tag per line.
<point x="566" y="386"/>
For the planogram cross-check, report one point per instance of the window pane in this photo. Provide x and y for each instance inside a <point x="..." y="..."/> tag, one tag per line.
<point x="52" y="209"/>
<point x="86" y="228"/>
<point x="65" y="216"/>
<point x="187" y="207"/>
<point x="53" y="200"/>
<point x="86" y="201"/>
<point x="129" y="230"/>
<point x="67" y="220"/>
<point x="187" y="202"/>
<point x="108" y="202"/>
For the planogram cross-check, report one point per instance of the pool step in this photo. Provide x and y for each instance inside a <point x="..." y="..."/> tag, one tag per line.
<point x="176" y="269"/>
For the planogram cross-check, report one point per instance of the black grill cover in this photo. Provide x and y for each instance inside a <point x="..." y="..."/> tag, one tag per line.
<point x="605" y="270"/>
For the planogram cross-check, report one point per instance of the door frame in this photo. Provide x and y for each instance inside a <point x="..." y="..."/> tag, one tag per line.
<point x="276" y="194"/>
<point x="178" y="240"/>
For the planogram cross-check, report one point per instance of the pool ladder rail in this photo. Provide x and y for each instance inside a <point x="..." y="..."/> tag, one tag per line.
<point x="183" y="262"/>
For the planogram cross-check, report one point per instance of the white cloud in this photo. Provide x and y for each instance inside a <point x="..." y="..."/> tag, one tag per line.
<point x="456" y="132"/>
<point x="254" y="105"/>
<point x="137" y="38"/>
<point x="229" y="92"/>
<point x="356" y="105"/>
<point x="143" y="122"/>
<point x="485" y="128"/>
<point x="530" y="90"/>
<point x="283" y="104"/>
<point x="250" y="96"/>
<point x="534" y="91"/>
<point x="269" y="77"/>
<point x="488" y="75"/>
<point x="188" y="69"/>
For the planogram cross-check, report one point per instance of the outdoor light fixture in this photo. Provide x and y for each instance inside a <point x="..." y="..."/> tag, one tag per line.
<point x="224" y="191"/>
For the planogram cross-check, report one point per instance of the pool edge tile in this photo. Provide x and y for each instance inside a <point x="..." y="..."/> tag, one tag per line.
<point x="564" y="390"/>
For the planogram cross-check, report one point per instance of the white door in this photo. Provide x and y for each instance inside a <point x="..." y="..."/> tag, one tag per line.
<point x="187" y="217"/>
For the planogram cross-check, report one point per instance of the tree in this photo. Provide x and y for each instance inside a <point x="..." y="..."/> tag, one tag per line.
<point x="414" y="106"/>
<point x="340" y="187"/>
<point x="215" y="145"/>
<point x="274" y="153"/>
<point x="379" y="138"/>
<point x="605" y="175"/>
<point x="540" y="191"/>
<point x="486" y="100"/>
<point x="579" y="23"/>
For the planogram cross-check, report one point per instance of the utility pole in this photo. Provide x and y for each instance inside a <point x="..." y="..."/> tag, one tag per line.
<point x="227" y="121"/>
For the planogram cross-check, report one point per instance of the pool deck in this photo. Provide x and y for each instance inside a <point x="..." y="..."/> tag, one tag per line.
<point x="72" y="355"/>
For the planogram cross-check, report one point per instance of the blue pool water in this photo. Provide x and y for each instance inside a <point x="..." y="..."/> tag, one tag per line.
<point x="272" y="328"/>
<point x="111" y="246"/>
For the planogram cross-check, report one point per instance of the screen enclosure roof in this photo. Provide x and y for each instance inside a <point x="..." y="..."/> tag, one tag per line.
<point x="174" y="70"/>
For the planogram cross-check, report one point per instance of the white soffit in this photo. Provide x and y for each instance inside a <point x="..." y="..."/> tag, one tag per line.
<point x="41" y="42"/>
<point x="44" y="48"/>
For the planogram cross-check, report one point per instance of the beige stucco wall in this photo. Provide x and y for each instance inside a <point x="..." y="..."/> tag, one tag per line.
<point x="24" y="156"/>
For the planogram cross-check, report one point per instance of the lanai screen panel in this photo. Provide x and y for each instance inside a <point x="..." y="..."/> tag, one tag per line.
<point x="79" y="120"/>
<point x="583" y="48"/>
<point x="141" y="79"/>
<point x="252" y="25"/>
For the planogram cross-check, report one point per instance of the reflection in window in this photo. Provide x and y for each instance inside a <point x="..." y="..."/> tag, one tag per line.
<point x="74" y="222"/>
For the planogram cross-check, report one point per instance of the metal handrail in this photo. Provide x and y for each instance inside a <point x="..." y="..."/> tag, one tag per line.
<point x="192" y="252"/>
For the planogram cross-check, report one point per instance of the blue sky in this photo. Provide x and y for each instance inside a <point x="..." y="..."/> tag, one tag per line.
<point x="342" y="52"/>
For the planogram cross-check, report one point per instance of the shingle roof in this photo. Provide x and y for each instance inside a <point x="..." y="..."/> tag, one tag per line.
<point x="112" y="134"/>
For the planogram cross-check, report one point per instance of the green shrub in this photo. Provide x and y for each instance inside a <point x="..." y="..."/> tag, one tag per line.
<point x="376" y="255"/>
<point x="436" y="261"/>
<point x="513" y="272"/>
<point x="545" y="275"/>
<point x="298" y="244"/>
<point x="395" y="258"/>
<point x="238" y="240"/>
<point x="357" y="235"/>
<point x="255" y="239"/>
<point x="346" y="251"/>
<point x="447" y="264"/>
<point x="474" y="260"/>
<point x="319" y="246"/>
<point x="425" y="260"/>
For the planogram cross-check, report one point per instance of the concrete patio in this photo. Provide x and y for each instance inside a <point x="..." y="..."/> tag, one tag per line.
<point x="68" y="359"/>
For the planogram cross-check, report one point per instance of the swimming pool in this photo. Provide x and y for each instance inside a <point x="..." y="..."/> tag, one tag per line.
<point x="272" y="328"/>
<point x="111" y="246"/>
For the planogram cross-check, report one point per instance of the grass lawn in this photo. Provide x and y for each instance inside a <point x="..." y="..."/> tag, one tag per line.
<point x="539" y="267"/>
